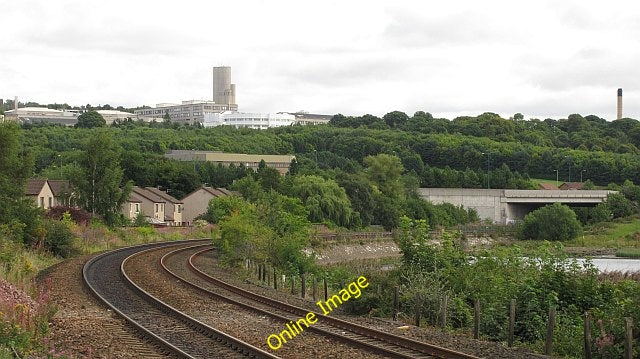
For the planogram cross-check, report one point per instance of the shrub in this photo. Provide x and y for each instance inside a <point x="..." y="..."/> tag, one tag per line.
<point x="619" y="205"/>
<point x="58" y="238"/>
<point x="78" y="215"/>
<point x="555" y="222"/>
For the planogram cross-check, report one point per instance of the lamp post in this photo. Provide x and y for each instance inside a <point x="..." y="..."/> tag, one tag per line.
<point x="488" y="175"/>
<point x="581" y="172"/>
<point x="557" y="181"/>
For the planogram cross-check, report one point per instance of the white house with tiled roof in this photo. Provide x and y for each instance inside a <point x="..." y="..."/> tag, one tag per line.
<point x="49" y="193"/>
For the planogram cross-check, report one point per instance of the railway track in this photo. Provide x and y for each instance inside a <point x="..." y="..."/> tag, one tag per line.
<point x="350" y="333"/>
<point x="178" y="334"/>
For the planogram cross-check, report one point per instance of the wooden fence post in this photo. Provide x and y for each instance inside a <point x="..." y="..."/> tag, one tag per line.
<point x="303" y="283"/>
<point x="443" y="311"/>
<point x="551" y="322"/>
<point x="476" y="319"/>
<point x="326" y="289"/>
<point x="395" y="303"/>
<point x="587" y="335"/>
<point x="512" y="321"/>
<point x="315" y="289"/>
<point x="418" y="308"/>
<point x="628" y="338"/>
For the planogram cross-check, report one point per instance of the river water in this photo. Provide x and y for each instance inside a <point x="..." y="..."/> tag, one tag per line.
<point x="616" y="264"/>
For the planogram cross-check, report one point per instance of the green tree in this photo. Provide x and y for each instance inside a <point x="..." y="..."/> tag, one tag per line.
<point x="619" y="205"/>
<point x="221" y="207"/>
<point x="385" y="172"/>
<point x="90" y="119"/>
<point x="324" y="199"/>
<point x="555" y="222"/>
<point x="268" y="177"/>
<point x="395" y="118"/>
<point x="101" y="187"/>
<point x="17" y="213"/>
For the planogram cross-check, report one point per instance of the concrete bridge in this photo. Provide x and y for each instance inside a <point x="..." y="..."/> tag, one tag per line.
<point x="506" y="205"/>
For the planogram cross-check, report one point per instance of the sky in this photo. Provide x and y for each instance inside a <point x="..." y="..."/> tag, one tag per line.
<point x="545" y="59"/>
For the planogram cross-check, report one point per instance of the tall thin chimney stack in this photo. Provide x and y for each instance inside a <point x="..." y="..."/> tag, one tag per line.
<point x="619" y="104"/>
<point x="15" y="104"/>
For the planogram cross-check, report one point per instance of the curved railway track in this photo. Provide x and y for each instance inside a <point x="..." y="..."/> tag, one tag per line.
<point x="179" y="334"/>
<point x="350" y="333"/>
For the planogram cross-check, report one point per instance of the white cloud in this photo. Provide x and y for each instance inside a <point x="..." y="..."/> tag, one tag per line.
<point x="541" y="58"/>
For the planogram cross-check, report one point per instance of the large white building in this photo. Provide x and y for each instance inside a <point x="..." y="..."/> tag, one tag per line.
<point x="190" y="112"/>
<point x="64" y="117"/>
<point x="112" y="115"/>
<point x="248" y="120"/>
<point x="43" y="114"/>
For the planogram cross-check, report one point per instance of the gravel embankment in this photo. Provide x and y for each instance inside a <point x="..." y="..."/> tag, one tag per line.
<point x="83" y="327"/>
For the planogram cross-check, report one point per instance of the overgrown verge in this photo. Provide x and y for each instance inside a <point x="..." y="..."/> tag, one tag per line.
<point x="544" y="278"/>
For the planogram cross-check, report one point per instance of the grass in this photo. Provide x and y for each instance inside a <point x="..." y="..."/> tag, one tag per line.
<point x="537" y="181"/>
<point x="624" y="233"/>
<point x="628" y="253"/>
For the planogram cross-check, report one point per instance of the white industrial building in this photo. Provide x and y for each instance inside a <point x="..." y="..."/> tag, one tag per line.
<point x="190" y="112"/>
<point x="112" y="115"/>
<point x="43" y="114"/>
<point x="248" y="120"/>
<point x="63" y="117"/>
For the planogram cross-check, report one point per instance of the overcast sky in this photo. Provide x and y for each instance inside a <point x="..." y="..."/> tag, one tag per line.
<point x="540" y="58"/>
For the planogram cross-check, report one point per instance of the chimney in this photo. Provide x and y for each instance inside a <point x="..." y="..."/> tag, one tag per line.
<point x="15" y="104"/>
<point x="619" y="104"/>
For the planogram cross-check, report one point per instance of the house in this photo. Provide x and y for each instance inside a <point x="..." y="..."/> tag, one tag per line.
<point x="173" y="209"/>
<point x="62" y="193"/>
<point x="49" y="193"/>
<point x="547" y="186"/>
<point x="151" y="205"/>
<point x="132" y="207"/>
<point x="572" y="185"/>
<point x="196" y="202"/>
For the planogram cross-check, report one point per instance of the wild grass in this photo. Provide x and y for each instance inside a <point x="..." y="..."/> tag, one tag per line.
<point x="628" y="253"/>
<point x="623" y="233"/>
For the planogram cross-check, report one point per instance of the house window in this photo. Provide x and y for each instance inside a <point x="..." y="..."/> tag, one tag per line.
<point x="156" y="207"/>
<point x="137" y="207"/>
<point x="42" y="202"/>
<point x="179" y="208"/>
<point x="50" y="202"/>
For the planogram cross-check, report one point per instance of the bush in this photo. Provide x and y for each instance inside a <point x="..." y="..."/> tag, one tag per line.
<point x="619" y="205"/>
<point x="58" y="238"/>
<point x="555" y="222"/>
<point x="78" y="215"/>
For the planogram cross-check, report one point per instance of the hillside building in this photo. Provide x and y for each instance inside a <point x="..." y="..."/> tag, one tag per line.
<point x="279" y="162"/>
<point x="248" y="120"/>
<point x="188" y="112"/>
